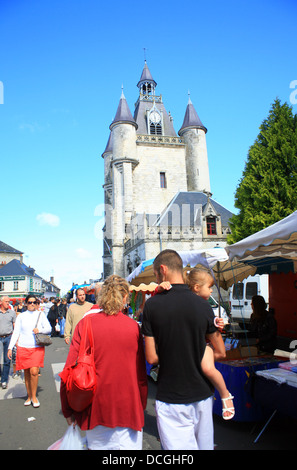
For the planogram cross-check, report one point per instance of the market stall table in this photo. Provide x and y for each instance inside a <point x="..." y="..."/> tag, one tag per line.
<point x="277" y="393"/>
<point x="236" y="374"/>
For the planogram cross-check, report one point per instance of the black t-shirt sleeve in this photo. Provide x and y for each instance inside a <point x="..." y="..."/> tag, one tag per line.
<point x="146" y="324"/>
<point x="208" y="312"/>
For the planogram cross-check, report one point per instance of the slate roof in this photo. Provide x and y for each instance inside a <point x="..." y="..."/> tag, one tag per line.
<point x="123" y="113"/>
<point x="108" y="147"/>
<point x="16" y="268"/>
<point x="140" y="113"/>
<point x="141" y="119"/>
<point x="184" y="205"/>
<point x="4" y="248"/>
<point x="191" y="119"/>
<point x="146" y="76"/>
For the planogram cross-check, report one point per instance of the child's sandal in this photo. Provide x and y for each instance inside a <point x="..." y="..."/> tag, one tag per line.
<point x="228" y="410"/>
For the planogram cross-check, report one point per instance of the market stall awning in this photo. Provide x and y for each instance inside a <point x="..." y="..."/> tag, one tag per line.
<point x="145" y="273"/>
<point x="216" y="259"/>
<point x="144" y="287"/>
<point x="273" y="249"/>
<point x="229" y="272"/>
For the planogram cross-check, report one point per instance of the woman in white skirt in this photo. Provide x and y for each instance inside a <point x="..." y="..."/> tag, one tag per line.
<point x="30" y="356"/>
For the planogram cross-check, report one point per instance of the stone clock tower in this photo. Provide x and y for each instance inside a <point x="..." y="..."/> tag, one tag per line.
<point x="146" y="166"/>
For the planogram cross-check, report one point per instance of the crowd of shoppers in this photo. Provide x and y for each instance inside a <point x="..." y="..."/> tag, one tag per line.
<point x="178" y="334"/>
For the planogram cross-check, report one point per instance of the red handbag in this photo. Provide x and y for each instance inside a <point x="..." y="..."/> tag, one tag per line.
<point x="80" y="378"/>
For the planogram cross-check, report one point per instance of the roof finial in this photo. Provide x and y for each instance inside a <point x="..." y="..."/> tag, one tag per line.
<point x="122" y="95"/>
<point x="189" y="94"/>
<point x="144" y="52"/>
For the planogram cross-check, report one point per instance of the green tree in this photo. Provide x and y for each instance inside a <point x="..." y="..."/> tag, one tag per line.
<point x="267" y="191"/>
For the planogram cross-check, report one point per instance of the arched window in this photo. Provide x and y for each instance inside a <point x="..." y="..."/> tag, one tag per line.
<point x="147" y="89"/>
<point x="155" y="122"/>
<point x="155" y="129"/>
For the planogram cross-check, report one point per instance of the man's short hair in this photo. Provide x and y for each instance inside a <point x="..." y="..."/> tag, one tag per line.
<point x="169" y="258"/>
<point x="80" y="288"/>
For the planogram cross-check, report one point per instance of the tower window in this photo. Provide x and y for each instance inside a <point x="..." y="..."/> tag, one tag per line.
<point x="211" y="225"/>
<point x="155" y="122"/>
<point x="163" y="180"/>
<point x="146" y="89"/>
<point x="155" y="129"/>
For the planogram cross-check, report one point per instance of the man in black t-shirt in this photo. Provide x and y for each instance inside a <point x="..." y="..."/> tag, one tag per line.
<point x="175" y="325"/>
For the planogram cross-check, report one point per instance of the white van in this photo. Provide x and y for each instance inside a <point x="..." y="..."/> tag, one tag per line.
<point x="241" y="295"/>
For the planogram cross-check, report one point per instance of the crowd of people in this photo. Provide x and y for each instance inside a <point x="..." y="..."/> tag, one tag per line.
<point x="178" y="333"/>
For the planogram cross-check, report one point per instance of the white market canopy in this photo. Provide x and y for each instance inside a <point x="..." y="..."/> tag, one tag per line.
<point x="215" y="259"/>
<point x="271" y="249"/>
<point x="145" y="273"/>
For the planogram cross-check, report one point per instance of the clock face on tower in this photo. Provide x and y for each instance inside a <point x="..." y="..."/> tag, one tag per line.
<point x="155" y="117"/>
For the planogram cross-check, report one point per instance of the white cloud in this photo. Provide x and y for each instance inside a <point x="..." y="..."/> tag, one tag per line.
<point x="33" y="127"/>
<point x="83" y="254"/>
<point x="48" y="219"/>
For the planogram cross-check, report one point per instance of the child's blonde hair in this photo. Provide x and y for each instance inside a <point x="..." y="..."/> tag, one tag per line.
<point x="112" y="293"/>
<point x="197" y="276"/>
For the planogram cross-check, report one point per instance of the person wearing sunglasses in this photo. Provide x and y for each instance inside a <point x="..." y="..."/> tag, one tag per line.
<point x="30" y="356"/>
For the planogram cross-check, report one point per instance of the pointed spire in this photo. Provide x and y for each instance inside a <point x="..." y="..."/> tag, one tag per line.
<point x="123" y="113"/>
<point x="191" y="118"/>
<point x="146" y="76"/>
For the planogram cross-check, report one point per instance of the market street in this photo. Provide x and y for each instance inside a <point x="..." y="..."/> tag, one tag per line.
<point x="20" y="432"/>
<point x="28" y="428"/>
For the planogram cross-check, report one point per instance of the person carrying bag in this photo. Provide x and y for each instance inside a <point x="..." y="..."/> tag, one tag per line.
<point x="80" y="378"/>
<point x="40" y="338"/>
<point x="115" y="416"/>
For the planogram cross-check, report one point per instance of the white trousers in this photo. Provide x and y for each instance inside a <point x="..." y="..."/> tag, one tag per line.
<point x="103" y="438"/>
<point x="186" y="427"/>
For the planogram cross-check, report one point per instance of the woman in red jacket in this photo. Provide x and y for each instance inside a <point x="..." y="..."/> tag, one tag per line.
<point x="115" y="419"/>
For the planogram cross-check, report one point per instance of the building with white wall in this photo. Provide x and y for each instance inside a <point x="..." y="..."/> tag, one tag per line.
<point x="18" y="280"/>
<point x="157" y="190"/>
<point x="8" y="253"/>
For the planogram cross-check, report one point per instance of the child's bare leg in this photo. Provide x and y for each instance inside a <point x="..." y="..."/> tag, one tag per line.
<point x="215" y="377"/>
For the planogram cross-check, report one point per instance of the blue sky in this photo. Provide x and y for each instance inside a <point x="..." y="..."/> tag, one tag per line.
<point x="62" y="65"/>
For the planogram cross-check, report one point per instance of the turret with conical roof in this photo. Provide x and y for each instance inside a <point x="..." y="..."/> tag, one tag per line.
<point x="191" y="119"/>
<point x="123" y="114"/>
<point x="121" y="157"/>
<point x="193" y="133"/>
<point x="123" y="132"/>
<point x="146" y="164"/>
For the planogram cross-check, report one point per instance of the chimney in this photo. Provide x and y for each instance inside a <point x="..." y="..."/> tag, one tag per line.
<point x="52" y="279"/>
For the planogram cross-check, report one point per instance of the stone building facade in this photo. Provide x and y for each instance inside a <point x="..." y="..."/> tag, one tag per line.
<point x="156" y="184"/>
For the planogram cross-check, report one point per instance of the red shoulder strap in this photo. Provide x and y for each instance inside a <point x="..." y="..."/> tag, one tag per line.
<point x="86" y="332"/>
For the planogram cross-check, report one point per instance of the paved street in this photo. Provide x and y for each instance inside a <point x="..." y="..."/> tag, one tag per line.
<point x="17" y="429"/>
<point x="27" y="428"/>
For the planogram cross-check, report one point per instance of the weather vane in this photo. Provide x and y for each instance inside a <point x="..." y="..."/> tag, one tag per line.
<point x="144" y="52"/>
